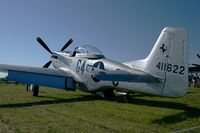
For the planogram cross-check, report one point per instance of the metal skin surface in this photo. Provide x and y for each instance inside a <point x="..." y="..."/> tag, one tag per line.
<point x="164" y="72"/>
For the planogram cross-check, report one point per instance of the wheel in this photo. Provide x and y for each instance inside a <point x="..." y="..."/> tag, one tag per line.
<point x="27" y="87"/>
<point x="35" y="90"/>
<point x="108" y="93"/>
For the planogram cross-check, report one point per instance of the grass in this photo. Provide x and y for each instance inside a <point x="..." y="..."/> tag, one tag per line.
<point x="58" y="111"/>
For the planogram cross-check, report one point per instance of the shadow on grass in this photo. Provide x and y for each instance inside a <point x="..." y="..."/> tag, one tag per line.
<point x="187" y="112"/>
<point x="52" y="100"/>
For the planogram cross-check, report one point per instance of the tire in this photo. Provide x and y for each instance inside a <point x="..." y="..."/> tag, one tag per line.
<point x="109" y="94"/>
<point x="35" y="90"/>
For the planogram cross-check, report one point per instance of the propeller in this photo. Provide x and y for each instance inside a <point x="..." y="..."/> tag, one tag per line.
<point x="67" y="44"/>
<point x="40" y="41"/>
<point x="43" y="44"/>
<point x="47" y="64"/>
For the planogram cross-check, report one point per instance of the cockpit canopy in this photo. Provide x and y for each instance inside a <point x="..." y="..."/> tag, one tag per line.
<point x="87" y="51"/>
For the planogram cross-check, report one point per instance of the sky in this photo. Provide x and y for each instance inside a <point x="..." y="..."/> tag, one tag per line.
<point x="124" y="30"/>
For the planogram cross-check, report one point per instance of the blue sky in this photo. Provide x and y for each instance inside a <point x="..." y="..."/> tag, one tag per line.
<point x="123" y="30"/>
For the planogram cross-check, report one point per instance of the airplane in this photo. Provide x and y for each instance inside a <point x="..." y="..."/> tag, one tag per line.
<point x="164" y="72"/>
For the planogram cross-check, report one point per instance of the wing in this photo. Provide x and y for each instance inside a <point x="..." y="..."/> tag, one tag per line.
<point x="39" y="76"/>
<point x="120" y="75"/>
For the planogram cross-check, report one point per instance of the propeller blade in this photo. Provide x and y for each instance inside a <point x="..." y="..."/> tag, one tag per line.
<point x="47" y="64"/>
<point x="67" y="44"/>
<point x="43" y="44"/>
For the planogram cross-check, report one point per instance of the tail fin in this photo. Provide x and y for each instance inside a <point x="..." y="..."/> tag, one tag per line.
<point x="168" y="61"/>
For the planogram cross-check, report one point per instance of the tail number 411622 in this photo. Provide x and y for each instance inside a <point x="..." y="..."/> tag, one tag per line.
<point x="170" y="68"/>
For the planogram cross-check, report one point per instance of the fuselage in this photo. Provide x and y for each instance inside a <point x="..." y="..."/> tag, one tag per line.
<point x="83" y="67"/>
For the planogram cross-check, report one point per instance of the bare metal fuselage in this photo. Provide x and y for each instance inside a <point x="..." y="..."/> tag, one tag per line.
<point x="83" y="68"/>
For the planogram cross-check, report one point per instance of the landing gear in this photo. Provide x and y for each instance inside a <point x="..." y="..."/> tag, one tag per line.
<point x="127" y="97"/>
<point x="33" y="88"/>
<point x="108" y="94"/>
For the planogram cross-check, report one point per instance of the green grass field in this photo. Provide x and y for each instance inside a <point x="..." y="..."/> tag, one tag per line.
<point x="58" y="111"/>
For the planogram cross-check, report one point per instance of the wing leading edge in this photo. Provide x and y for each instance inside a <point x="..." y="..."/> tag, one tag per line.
<point x="39" y="76"/>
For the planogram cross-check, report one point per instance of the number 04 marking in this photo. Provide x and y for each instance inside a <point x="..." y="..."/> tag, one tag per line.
<point x="80" y="66"/>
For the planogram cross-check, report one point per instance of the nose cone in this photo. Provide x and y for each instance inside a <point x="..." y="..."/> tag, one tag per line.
<point x="55" y="60"/>
<point x="54" y="56"/>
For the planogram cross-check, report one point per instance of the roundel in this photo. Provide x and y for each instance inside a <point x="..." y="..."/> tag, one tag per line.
<point x="99" y="65"/>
